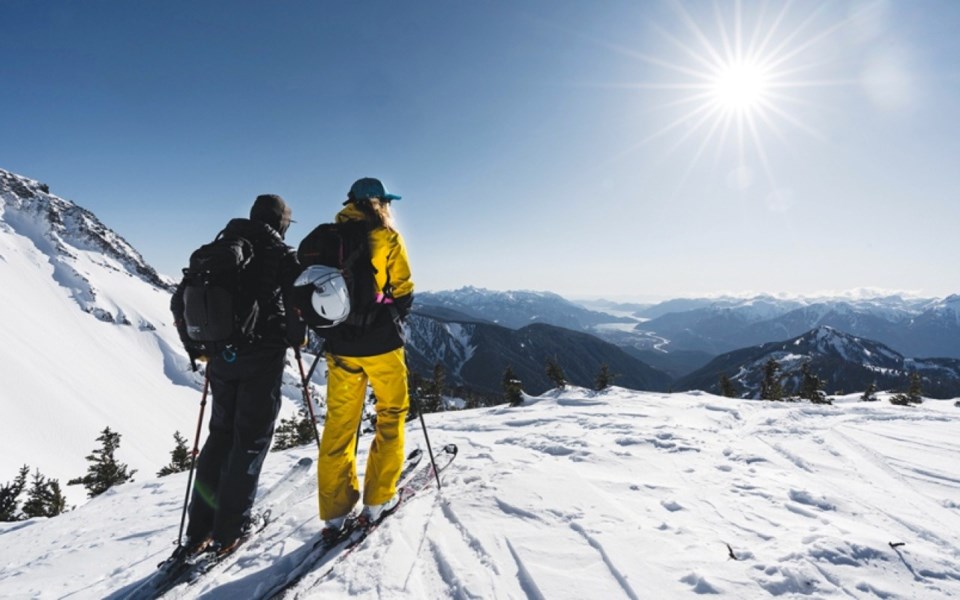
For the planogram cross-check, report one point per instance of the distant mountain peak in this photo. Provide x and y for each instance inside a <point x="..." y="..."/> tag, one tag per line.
<point x="64" y="228"/>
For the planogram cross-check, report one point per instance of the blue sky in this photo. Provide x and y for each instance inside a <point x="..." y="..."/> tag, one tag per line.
<point x="579" y="147"/>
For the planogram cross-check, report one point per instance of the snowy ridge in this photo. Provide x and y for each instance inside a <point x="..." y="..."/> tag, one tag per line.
<point x="842" y="362"/>
<point x="517" y="309"/>
<point x="577" y="495"/>
<point x="828" y="341"/>
<point x="448" y="343"/>
<point x="70" y="228"/>
<point x="88" y="343"/>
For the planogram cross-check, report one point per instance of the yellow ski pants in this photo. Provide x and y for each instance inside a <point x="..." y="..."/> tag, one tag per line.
<point x="347" y="380"/>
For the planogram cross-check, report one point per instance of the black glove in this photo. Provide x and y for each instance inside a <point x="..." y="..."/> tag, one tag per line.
<point x="403" y="305"/>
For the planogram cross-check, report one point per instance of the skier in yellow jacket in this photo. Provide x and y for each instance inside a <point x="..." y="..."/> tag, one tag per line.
<point x="374" y="354"/>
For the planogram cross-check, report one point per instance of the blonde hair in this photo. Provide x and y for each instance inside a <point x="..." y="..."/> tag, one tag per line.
<point x="378" y="212"/>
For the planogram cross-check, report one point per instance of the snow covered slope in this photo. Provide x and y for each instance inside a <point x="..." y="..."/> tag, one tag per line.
<point x="578" y="495"/>
<point x="87" y="342"/>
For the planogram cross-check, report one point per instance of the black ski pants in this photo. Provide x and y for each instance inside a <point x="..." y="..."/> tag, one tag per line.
<point x="246" y="400"/>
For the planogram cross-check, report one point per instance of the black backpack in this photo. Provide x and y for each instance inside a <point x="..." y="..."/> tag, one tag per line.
<point x="344" y="246"/>
<point x="220" y="307"/>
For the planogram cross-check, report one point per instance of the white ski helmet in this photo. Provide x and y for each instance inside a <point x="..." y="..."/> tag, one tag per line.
<point x="330" y="298"/>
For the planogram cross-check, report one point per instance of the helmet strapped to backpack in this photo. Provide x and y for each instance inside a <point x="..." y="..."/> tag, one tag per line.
<point x="344" y="248"/>
<point x="329" y="296"/>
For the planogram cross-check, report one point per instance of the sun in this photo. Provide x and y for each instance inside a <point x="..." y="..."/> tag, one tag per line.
<point x="740" y="86"/>
<point x="736" y="80"/>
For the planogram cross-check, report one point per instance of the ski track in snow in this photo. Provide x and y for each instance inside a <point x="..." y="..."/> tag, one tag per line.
<point x="583" y="495"/>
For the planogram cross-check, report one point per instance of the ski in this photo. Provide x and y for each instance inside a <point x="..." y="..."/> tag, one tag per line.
<point x="331" y="553"/>
<point x="178" y="570"/>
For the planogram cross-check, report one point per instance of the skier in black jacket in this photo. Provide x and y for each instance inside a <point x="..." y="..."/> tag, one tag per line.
<point x="245" y="384"/>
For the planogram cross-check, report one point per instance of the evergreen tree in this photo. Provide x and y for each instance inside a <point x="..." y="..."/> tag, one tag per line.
<point x="555" y="373"/>
<point x="770" y="388"/>
<point x="180" y="458"/>
<point x="870" y="394"/>
<point x="104" y="471"/>
<point x="604" y="378"/>
<point x="727" y="388"/>
<point x="431" y="396"/>
<point x="512" y="388"/>
<point x="811" y="386"/>
<point x="294" y="431"/>
<point x="44" y="499"/>
<point x="471" y="400"/>
<point x="914" y="394"/>
<point x="10" y="493"/>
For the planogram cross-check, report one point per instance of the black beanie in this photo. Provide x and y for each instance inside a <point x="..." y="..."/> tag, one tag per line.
<point x="272" y="210"/>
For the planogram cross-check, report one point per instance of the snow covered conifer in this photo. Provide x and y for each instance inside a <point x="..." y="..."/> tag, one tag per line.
<point x="811" y="386"/>
<point x="10" y="493"/>
<point x="293" y="432"/>
<point x="770" y="388"/>
<point x="914" y="394"/>
<point x="727" y="388"/>
<point x="604" y="378"/>
<point x="870" y="394"/>
<point x="179" y="457"/>
<point x="555" y="373"/>
<point x="45" y="498"/>
<point x="512" y="388"/>
<point x="104" y="471"/>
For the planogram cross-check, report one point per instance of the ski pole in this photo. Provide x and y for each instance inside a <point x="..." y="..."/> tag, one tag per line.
<point x="306" y="391"/>
<point x="194" y="453"/>
<point x="427" y="438"/>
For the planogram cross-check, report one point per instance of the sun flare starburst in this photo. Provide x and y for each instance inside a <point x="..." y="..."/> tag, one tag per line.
<point x="740" y="86"/>
<point x="736" y="79"/>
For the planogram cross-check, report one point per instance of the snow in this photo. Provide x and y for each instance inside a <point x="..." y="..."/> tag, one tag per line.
<point x="87" y="342"/>
<point x="577" y="494"/>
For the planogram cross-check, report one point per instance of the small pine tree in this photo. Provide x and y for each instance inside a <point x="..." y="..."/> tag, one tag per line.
<point x="180" y="459"/>
<point x="811" y="386"/>
<point x="727" y="388"/>
<point x="555" y="373"/>
<point x="104" y="471"/>
<point x="914" y="394"/>
<point x="430" y="393"/>
<point x="604" y="378"/>
<point x="295" y="431"/>
<point x="438" y="386"/>
<point x="870" y="394"/>
<point x="10" y="494"/>
<point x="770" y="388"/>
<point x="44" y="499"/>
<point x="512" y="388"/>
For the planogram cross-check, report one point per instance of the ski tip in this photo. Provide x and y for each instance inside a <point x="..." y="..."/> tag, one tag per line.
<point x="451" y="449"/>
<point x="306" y="461"/>
<point x="414" y="453"/>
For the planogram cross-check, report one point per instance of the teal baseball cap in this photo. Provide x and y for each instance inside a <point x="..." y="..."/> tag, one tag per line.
<point x="369" y="187"/>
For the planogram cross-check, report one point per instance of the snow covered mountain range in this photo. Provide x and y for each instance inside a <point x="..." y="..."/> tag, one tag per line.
<point x="914" y="327"/>
<point x="476" y="354"/>
<point x="681" y="335"/>
<point x="844" y="362"/>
